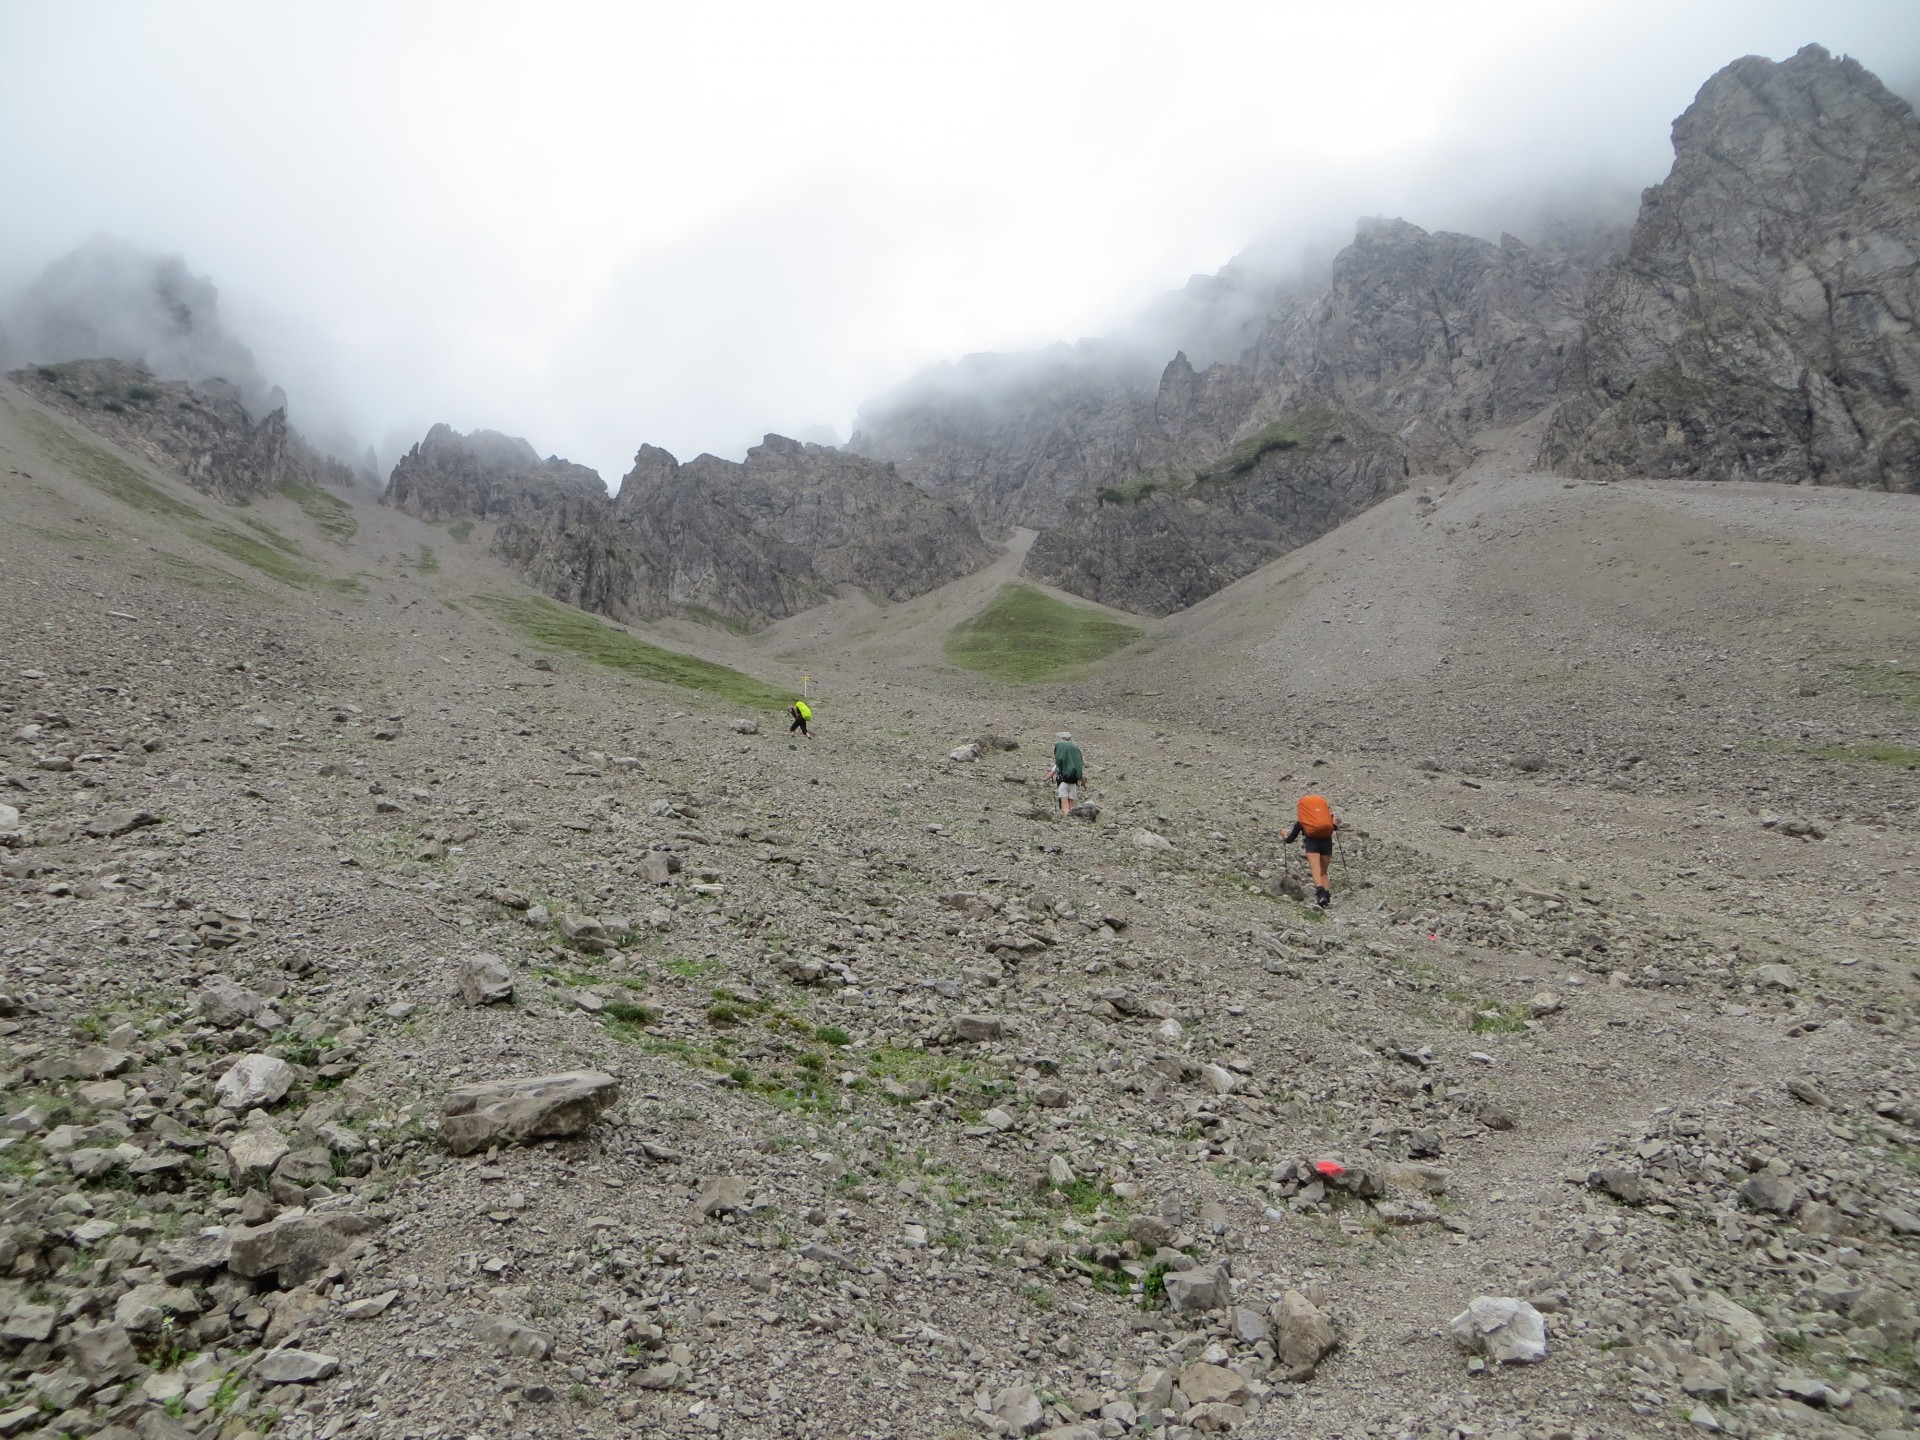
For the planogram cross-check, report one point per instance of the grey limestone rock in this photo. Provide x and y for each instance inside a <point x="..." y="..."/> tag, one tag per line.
<point x="1503" y="1329"/>
<point x="1204" y="1287"/>
<point x="1759" y="326"/>
<point x="722" y="1195"/>
<point x="226" y="1003"/>
<point x="539" y="1107"/>
<point x="1159" y="545"/>
<point x="209" y="433"/>
<point x="484" y="980"/>
<point x="485" y="476"/>
<point x="513" y="1338"/>
<point x="103" y="1353"/>
<point x="254" y="1080"/>
<point x="293" y="1367"/>
<point x="747" y="542"/>
<point x="979" y="1027"/>
<point x="297" y="1246"/>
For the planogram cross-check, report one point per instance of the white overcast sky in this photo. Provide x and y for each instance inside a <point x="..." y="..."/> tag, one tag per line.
<point x="597" y="225"/>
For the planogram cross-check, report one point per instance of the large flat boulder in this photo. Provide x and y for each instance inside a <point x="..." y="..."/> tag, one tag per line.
<point x="541" y="1107"/>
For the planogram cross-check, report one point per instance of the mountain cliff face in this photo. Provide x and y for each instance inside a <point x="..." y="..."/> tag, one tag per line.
<point x="1426" y="336"/>
<point x="1009" y="439"/>
<point x="202" y="432"/>
<point x="1761" y="325"/>
<point x="847" y="519"/>
<point x="1156" y="546"/>
<point x="485" y="475"/>
<point x="743" y="543"/>
<point x="1411" y="344"/>
<point x="1758" y="321"/>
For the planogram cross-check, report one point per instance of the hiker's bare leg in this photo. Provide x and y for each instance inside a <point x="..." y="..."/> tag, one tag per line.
<point x="1318" y="864"/>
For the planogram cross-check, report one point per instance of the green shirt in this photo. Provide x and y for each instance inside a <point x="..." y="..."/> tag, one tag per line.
<point x="1069" y="762"/>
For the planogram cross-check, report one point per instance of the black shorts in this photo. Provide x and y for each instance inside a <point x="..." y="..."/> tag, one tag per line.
<point x="1316" y="847"/>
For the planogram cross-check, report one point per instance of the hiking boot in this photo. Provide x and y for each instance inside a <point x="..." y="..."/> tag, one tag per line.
<point x="1322" y="897"/>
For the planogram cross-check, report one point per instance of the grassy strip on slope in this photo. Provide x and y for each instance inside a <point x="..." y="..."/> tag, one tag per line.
<point x="563" y="628"/>
<point x="108" y="473"/>
<point x="111" y="475"/>
<point x="1024" y="635"/>
<point x="1303" y="430"/>
<point x="331" y="516"/>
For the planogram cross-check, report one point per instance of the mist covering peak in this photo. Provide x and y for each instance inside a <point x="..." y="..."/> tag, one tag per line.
<point x="109" y="300"/>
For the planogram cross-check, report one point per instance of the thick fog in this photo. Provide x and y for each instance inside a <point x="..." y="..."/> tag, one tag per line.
<point x="602" y="225"/>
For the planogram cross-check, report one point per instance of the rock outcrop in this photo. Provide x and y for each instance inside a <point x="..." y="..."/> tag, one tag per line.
<point x="850" y="520"/>
<point x="1428" y="336"/>
<point x="484" y="475"/>
<point x="1159" y="546"/>
<point x="204" y="431"/>
<point x="1761" y="325"/>
<point x="1010" y="439"/>
<point x="742" y="543"/>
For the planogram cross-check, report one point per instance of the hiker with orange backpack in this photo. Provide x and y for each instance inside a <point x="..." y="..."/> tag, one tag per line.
<point x="1313" y="826"/>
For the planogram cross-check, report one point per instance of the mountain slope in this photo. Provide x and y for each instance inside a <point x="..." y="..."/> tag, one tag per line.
<point x="938" y="1114"/>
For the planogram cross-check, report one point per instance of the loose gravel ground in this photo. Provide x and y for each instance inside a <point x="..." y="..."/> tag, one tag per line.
<point x="923" y="1093"/>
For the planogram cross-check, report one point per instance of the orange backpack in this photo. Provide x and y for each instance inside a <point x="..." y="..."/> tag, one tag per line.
<point x="1316" y="817"/>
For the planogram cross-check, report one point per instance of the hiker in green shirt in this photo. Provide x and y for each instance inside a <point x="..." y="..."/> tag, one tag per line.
<point x="1069" y="769"/>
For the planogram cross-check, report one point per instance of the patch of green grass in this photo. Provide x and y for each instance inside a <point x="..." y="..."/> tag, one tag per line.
<point x="460" y="530"/>
<point x="715" y="620"/>
<point x="1492" y="1019"/>
<point x="627" y="1023"/>
<point x="688" y="968"/>
<point x="112" y="476"/>
<point x="1889" y="682"/>
<point x="331" y="516"/>
<point x="626" y="1012"/>
<point x="1133" y="491"/>
<point x="1024" y="635"/>
<point x="272" y="536"/>
<point x="1307" y="430"/>
<point x="946" y="1075"/>
<point x="206" y="576"/>
<point x="1872" y="752"/>
<point x="270" y="562"/>
<point x="1153" y="1287"/>
<point x="832" y="1035"/>
<point x="1083" y="1195"/>
<point x="559" y="627"/>
<point x="428" y="562"/>
<point x="107" y="472"/>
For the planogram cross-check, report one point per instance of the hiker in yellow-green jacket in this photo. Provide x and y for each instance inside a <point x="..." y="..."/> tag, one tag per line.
<point x="801" y="713"/>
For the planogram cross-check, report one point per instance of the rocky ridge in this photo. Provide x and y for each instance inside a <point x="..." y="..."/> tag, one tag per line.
<point x="484" y="475"/>
<point x="742" y="542"/>
<point x="1156" y="546"/>
<point x="203" y="432"/>
<point x="1761" y="323"/>
<point x="1429" y="337"/>
<point x="1756" y="326"/>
